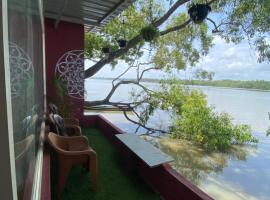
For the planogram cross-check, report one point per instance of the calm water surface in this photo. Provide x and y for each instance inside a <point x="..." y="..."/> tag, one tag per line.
<point x="243" y="173"/>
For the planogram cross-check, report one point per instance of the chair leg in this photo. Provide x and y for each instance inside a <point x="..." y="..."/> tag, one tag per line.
<point x="62" y="172"/>
<point x="93" y="166"/>
<point x="85" y="168"/>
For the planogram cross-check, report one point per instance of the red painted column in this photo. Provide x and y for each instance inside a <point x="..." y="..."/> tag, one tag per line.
<point x="65" y="38"/>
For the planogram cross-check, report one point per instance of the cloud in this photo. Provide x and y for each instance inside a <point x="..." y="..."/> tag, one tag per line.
<point x="228" y="61"/>
<point x="231" y="61"/>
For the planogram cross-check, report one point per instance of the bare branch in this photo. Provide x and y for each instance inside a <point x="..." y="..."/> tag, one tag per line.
<point x="148" y="69"/>
<point x="132" y="65"/>
<point x="215" y="30"/>
<point x="176" y="5"/>
<point x="124" y="83"/>
<point x="142" y="125"/>
<point x="117" y="78"/>
<point x="175" y="28"/>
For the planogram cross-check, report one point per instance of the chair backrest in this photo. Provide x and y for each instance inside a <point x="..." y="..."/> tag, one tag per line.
<point x="23" y="146"/>
<point x="57" y="124"/>
<point x="57" y="142"/>
<point x="52" y="108"/>
<point x="72" y="121"/>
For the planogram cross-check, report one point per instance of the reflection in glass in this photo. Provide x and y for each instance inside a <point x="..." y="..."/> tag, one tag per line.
<point x="25" y="60"/>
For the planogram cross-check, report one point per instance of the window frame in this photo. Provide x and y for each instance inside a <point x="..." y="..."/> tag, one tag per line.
<point x="8" y="186"/>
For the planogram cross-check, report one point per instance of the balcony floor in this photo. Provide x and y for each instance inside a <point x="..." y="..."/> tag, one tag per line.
<point x="114" y="181"/>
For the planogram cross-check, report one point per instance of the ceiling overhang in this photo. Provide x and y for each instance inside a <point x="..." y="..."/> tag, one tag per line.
<point x="93" y="14"/>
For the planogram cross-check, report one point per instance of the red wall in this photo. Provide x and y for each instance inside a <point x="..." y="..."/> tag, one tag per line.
<point x="66" y="37"/>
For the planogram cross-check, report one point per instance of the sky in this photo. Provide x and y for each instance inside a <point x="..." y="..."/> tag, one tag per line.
<point x="237" y="62"/>
<point x="228" y="61"/>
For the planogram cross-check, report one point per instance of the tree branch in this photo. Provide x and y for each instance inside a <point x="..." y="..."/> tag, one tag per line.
<point x="132" y="43"/>
<point x="117" y="78"/>
<point x="175" y="28"/>
<point x="132" y="65"/>
<point x="215" y="30"/>
<point x="137" y="39"/>
<point x="176" y="5"/>
<point x="148" y="69"/>
<point x="113" y="55"/>
<point x="152" y="130"/>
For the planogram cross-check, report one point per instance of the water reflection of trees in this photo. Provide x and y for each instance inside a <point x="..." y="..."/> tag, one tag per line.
<point x="196" y="164"/>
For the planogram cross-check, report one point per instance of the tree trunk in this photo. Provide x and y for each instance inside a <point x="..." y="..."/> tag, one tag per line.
<point x="113" y="55"/>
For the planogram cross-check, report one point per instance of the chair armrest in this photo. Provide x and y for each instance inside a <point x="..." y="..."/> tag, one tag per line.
<point x="89" y="152"/>
<point x="73" y="129"/>
<point x="78" y="143"/>
<point x="72" y="121"/>
<point x="75" y="139"/>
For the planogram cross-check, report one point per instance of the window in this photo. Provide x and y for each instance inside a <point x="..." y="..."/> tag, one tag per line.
<point x="27" y="90"/>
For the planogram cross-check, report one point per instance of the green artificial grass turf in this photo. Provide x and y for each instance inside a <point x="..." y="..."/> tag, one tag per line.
<point x="114" y="181"/>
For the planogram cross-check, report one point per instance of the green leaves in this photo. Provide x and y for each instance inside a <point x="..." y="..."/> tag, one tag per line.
<point x="149" y="33"/>
<point x="195" y="120"/>
<point x="93" y="45"/>
<point x="201" y="74"/>
<point x="247" y="19"/>
<point x="173" y="50"/>
<point x="177" y="48"/>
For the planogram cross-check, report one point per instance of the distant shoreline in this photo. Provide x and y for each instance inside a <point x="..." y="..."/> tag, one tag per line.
<point x="258" y="85"/>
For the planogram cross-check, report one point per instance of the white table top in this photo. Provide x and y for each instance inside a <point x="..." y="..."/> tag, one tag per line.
<point x="151" y="155"/>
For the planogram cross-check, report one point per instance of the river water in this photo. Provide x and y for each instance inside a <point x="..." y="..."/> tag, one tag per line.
<point x="241" y="174"/>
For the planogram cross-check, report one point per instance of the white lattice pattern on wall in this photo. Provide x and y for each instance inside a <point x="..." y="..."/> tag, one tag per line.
<point x="21" y="69"/>
<point x="70" y="69"/>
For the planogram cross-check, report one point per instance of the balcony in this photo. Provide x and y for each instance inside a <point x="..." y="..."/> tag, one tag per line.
<point x="114" y="180"/>
<point x="122" y="175"/>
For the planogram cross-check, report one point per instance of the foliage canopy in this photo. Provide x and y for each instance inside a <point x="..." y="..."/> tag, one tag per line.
<point x="171" y="43"/>
<point x="181" y="43"/>
<point x="195" y="120"/>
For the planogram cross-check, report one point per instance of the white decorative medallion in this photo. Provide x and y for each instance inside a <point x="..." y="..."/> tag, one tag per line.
<point x="21" y="69"/>
<point x="70" y="69"/>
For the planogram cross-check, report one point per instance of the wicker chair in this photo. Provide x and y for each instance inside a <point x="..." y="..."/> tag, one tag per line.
<point x="73" y="151"/>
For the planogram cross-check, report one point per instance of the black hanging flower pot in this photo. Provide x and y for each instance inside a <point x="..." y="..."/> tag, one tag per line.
<point x="122" y="43"/>
<point x="106" y="50"/>
<point x="199" y="12"/>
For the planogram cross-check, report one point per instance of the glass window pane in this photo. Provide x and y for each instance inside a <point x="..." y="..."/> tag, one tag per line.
<point x="25" y="51"/>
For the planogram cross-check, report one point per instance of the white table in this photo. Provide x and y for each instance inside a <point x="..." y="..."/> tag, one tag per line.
<point x="151" y="155"/>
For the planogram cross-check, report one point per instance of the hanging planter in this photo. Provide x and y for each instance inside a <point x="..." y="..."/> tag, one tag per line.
<point x="122" y="43"/>
<point x="199" y="12"/>
<point x="106" y="50"/>
<point x="149" y="33"/>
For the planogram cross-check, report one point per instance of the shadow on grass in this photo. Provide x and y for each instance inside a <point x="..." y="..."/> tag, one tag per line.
<point x="114" y="181"/>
